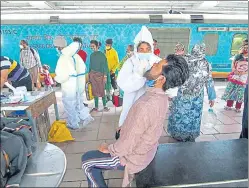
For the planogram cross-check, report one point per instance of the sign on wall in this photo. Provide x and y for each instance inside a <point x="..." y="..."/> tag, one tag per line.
<point x="212" y="28"/>
<point x="238" y="28"/>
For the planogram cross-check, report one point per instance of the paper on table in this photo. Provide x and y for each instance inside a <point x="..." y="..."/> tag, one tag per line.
<point x="10" y="86"/>
<point x="13" y="108"/>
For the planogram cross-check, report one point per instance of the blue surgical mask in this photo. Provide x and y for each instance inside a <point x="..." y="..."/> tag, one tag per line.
<point x="150" y="83"/>
<point x="144" y="56"/>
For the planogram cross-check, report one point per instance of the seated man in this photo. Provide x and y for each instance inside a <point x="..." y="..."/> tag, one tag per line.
<point x="14" y="72"/>
<point x="139" y="135"/>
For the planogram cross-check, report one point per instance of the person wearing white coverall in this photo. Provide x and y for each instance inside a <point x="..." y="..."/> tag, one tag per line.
<point x="130" y="78"/>
<point x="70" y="73"/>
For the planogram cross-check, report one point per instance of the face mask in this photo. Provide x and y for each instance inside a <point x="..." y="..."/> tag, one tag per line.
<point x="144" y="56"/>
<point x="107" y="47"/>
<point x="21" y="46"/>
<point x="150" y="83"/>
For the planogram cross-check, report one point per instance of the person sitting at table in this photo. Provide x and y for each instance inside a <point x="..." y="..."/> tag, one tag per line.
<point x="139" y="135"/>
<point x="14" y="72"/>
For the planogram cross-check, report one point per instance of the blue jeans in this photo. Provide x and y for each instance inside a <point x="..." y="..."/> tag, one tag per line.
<point x="94" y="162"/>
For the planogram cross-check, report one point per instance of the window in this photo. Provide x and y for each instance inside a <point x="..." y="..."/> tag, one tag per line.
<point x="211" y="42"/>
<point x="237" y="42"/>
<point x="167" y="38"/>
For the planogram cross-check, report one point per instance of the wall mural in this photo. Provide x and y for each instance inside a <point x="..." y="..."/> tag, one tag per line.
<point x="41" y="38"/>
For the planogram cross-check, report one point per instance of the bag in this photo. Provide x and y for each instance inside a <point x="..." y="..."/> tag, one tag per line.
<point x="59" y="132"/>
<point x="209" y="118"/>
<point x="5" y="168"/>
<point x="117" y="100"/>
<point x="89" y="94"/>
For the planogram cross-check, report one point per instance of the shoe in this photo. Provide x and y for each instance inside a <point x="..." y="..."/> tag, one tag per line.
<point x="88" y="120"/>
<point x="227" y="108"/>
<point x="94" y="110"/>
<point x="106" y="109"/>
<point x="73" y="127"/>
<point x="237" y="110"/>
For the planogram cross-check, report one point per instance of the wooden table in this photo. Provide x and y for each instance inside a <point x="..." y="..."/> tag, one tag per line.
<point x="35" y="108"/>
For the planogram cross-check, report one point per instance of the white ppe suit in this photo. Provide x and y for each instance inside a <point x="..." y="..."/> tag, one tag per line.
<point x="130" y="78"/>
<point x="70" y="73"/>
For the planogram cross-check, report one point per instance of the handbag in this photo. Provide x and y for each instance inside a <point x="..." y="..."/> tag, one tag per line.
<point x="89" y="93"/>
<point x="117" y="100"/>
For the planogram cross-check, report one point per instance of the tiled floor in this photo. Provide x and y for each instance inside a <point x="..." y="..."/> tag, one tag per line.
<point x="228" y="126"/>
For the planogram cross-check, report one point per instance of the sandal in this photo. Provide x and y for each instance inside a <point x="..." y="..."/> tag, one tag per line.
<point x="106" y="109"/>
<point x="237" y="110"/>
<point x="227" y="108"/>
<point x="94" y="110"/>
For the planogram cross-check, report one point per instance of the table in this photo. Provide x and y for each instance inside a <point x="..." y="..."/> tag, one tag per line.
<point x="35" y="108"/>
<point x="201" y="164"/>
<point x="45" y="168"/>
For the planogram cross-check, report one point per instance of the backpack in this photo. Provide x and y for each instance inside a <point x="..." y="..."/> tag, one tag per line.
<point x="5" y="168"/>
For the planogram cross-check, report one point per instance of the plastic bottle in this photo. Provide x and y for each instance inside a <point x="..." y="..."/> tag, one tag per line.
<point x="209" y="118"/>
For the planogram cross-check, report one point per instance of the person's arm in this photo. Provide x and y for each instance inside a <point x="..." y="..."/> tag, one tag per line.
<point x="128" y="80"/>
<point x="62" y="74"/>
<point x="116" y="61"/>
<point x="37" y="58"/>
<point x="4" y="76"/>
<point x="210" y="86"/>
<point x="135" y="125"/>
<point x="21" y="58"/>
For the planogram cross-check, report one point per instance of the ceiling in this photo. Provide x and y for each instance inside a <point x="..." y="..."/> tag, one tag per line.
<point x="133" y="7"/>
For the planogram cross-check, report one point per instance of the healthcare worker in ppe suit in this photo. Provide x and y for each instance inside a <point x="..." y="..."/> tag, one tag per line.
<point x="130" y="78"/>
<point x="70" y="73"/>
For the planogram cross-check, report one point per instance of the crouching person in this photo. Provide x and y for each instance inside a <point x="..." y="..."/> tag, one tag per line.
<point x="14" y="154"/>
<point x="139" y="135"/>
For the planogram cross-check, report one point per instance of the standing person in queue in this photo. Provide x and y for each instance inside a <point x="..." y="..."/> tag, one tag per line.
<point x="98" y="72"/>
<point x="14" y="72"/>
<point x="70" y="73"/>
<point x="186" y="110"/>
<point x="130" y="78"/>
<point x="129" y="53"/>
<point x="82" y="54"/>
<point x="179" y="49"/>
<point x="30" y="59"/>
<point x="237" y="81"/>
<point x="113" y="62"/>
<point x="157" y="51"/>
<point x="142" y="129"/>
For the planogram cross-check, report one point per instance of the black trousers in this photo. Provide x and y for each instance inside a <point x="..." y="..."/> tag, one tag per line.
<point x="113" y="81"/>
<point x="27" y="82"/>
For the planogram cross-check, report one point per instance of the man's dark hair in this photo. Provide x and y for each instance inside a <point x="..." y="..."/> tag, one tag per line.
<point x="155" y="40"/>
<point x="78" y="39"/>
<point x="109" y="41"/>
<point x="176" y="71"/>
<point x="94" y="42"/>
<point x="25" y="42"/>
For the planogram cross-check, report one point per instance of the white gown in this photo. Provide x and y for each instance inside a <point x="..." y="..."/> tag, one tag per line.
<point x="70" y="73"/>
<point x="131" y="81"/>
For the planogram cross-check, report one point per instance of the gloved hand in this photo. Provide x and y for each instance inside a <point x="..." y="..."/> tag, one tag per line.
<point x="141" y="67"/>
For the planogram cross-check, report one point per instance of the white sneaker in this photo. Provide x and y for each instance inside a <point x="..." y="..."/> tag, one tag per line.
<point x="88" y="120"/>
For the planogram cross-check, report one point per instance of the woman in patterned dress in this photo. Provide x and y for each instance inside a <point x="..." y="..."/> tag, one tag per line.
<point x="237" y="82"/>
<point x="186" y="111"/>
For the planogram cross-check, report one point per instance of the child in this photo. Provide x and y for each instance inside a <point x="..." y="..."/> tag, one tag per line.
<point x="236" y="85"/>
<point x="47" y="78"/>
